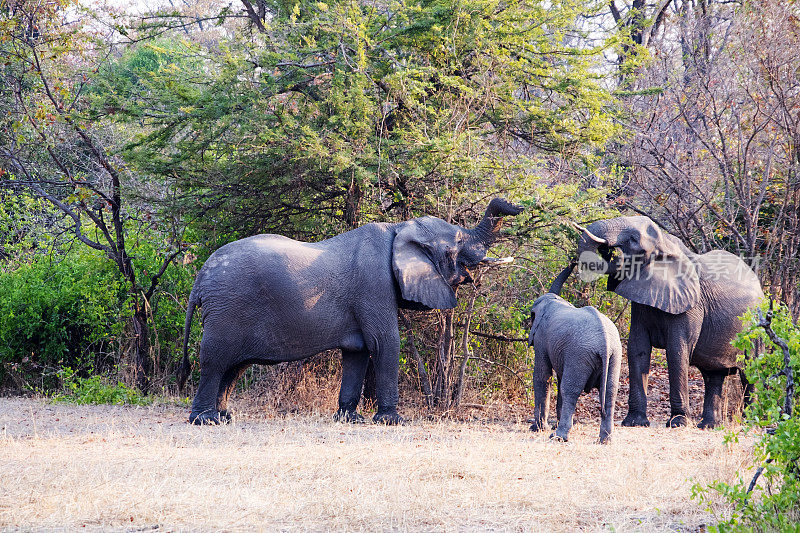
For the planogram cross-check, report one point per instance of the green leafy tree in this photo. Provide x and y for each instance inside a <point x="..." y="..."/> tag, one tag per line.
<point x="329" y="115"/>
<point x="318" y="117"/>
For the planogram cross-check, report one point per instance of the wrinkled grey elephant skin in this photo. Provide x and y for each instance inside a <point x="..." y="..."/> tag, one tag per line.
<point x="582" y="346"/>
<point x="268" y="299"/>
<point x="688" y="304"/>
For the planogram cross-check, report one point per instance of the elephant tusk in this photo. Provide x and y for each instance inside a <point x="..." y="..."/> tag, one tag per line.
<point x="496" y="261"/>
<point x="588" y="233"/>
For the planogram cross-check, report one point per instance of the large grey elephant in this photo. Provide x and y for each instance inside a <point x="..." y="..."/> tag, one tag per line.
<point x="583" y="347"/>
<point x="267" y="299"/>
<point x="688" y="304"/>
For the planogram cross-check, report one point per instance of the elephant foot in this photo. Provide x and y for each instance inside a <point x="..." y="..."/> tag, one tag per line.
<point x="605" y="437"/>
<point x="389" y="418"/>
<point x="540" y="425"/>
<point x="345" y="415"/>
<point x="559" y="438"/>
<point x="636" y="420"/>
<point x="205" y="418"/>
<point x="225" y="416"/>
<point x="677" y="421"/>
<point x="707" y="423"/>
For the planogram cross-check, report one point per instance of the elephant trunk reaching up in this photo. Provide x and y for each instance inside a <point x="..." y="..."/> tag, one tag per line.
<point x="489" y="227"/>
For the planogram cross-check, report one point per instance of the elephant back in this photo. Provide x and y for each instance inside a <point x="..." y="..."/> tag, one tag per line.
<point x="730" y="285"/>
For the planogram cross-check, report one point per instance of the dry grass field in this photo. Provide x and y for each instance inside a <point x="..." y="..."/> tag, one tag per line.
<point x="142" y="468"/>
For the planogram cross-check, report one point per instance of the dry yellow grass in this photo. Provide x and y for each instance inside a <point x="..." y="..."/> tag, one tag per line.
<point x="126" y="467"/>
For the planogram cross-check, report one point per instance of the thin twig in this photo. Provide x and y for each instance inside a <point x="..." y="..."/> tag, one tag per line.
<point x="503" y="365"/>
<point x="756" y="476"/>
<point x="498" y="337"/>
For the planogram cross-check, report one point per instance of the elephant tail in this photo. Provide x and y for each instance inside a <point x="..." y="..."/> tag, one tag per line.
<point x="185" y="368"/>
<point x="611" y="357"/>
<point x="604" y="382"/>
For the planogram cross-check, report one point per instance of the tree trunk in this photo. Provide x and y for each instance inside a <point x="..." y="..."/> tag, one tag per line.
<point x="445" y="353"/>
<point x="424" y="378"/>
<point x="459" y="389"/>
<point x="141" y="349"/>
<point x="352" y="204"/>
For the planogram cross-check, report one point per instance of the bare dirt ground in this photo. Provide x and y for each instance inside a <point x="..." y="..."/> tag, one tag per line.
<point x="145" y="468"/>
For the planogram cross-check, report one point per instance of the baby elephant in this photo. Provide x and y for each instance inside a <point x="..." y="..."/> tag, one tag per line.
<point x="583" y="347"/>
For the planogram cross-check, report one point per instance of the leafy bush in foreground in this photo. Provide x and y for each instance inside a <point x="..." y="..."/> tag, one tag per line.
<point x="771" y="503"/>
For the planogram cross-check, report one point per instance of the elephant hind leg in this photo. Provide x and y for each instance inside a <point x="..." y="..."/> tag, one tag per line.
<point x="714" y="380"/>
<point x="226" y="386"/>
<point x="569" y="389"/>
<point x="204" y="406"/>
<point x="542" y="376"/>
<point x="354" y="367"/>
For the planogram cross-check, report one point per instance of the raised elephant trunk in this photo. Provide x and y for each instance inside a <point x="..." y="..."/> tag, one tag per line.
<point x="486" y="231"/>
<point x="558" y="283"/>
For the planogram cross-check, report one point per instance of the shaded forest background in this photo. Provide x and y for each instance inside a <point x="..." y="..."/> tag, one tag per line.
<point x="134" y="143"/>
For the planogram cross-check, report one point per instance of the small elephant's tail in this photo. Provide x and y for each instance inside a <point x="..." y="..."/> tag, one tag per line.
<point x="185" y="369"/>
<point x="604" y="383"/>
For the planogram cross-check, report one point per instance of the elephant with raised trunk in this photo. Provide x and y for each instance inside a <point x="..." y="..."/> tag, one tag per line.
<point x="688" y="304"/>
<point x="268" y="299"/>
<point x="582" y="346"/>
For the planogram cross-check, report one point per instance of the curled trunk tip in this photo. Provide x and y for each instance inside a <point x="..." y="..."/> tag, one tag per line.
<point x="488" y="227"/>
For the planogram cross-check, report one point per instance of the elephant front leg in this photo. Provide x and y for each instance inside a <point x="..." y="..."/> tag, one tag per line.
<point x="386" y="358"/>
<point x="354" y="367"/>
<point x="714" y="380"/>
<point x="678" y="353"/>
<point x="639" y="352"/>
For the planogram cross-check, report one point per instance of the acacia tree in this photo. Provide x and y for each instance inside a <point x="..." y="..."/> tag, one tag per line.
<point x="321" y="116"/>
<point x="50" y="148"/>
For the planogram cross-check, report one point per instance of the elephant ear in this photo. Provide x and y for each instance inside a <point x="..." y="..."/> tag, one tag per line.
<point x="665" y="279"/>
<point x="414" y="269"/>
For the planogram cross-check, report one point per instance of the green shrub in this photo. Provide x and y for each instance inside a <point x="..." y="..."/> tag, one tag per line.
<point x="66" y="306"/>
<point x="58" y="312"/>
<point x="96" y="389"/>
<point x="773" y="504"/>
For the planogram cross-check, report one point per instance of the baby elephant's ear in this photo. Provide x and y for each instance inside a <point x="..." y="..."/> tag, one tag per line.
<point x="415" y="271"/>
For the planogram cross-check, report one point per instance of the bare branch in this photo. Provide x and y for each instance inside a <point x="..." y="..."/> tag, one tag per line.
<point x="424" y="379"/>
<point x="253" y="16"/>
<point x="498" y="337"/>
<point x="765" y="322"/>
